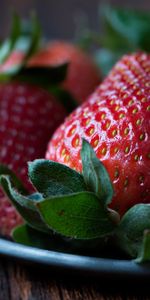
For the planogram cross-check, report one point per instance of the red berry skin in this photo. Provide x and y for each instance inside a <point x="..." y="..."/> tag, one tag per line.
<point x="28" y="115"/>
<point x="83" y="76"/>
<point x="115" y="120"/>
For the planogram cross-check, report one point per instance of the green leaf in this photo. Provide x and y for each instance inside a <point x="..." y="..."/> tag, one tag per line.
<point x="95" y="175"/>
<point x="144" y="252"/>
<point x="126" y="29"/>
<point x="51" y="178"/>
<point x="113" y="39"/>
<point x="79" y="216"/>
<point x="131" y="228"/>
<point x="24" y="205"/>
<point x="122" y="31"/>
<point x="25" y="37"/>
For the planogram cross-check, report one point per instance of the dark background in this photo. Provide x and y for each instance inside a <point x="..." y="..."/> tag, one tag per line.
<point x="60" y="18"/>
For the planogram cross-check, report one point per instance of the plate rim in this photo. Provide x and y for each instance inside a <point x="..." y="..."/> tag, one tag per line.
<point x="61" y="260"/>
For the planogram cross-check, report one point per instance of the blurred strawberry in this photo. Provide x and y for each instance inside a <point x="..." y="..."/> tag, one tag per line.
<point x="28" y="113"/>
<point x="82" y="76"/>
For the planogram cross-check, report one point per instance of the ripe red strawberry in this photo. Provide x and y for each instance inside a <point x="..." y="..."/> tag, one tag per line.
<point x="28" y="115"/>
<point x="82" y="76"/>
<point x="116" y="122"/>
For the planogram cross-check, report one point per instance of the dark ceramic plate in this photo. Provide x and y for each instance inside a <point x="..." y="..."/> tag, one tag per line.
<point x="114" y="268"/>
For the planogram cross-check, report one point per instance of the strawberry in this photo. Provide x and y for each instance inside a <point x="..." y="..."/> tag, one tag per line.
<point x="28" y="115"/>
<point x="116" y="122"/>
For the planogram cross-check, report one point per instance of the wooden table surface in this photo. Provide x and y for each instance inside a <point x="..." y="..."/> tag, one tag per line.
<point x="22" y="282"/>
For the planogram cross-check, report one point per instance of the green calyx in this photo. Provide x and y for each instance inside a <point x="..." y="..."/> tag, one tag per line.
<point x="70" y="210"/>
<point x="65" y="203"/>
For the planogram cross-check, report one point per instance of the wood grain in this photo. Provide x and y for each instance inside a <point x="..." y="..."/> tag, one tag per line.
<point x="21" y="282"/>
